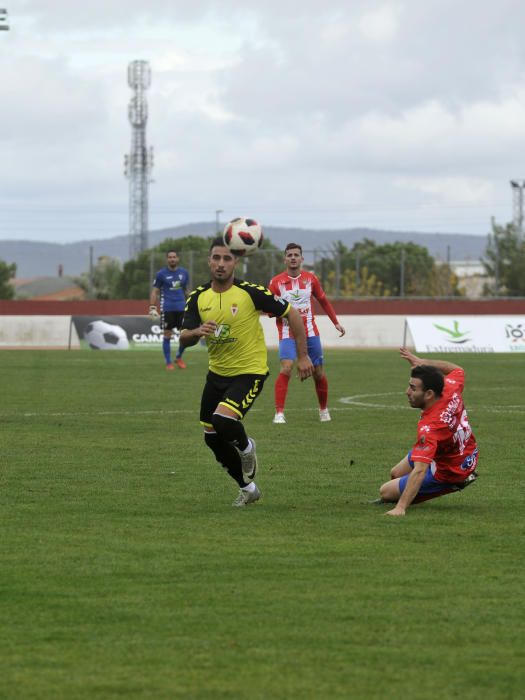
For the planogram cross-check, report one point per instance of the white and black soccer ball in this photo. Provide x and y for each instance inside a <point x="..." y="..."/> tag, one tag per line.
<point x="243" y="236"/>
<point x="101" y="335"/>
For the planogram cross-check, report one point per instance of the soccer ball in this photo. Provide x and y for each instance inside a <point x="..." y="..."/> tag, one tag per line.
<point x="105" y="336"/>
<point x="243" y="236"/>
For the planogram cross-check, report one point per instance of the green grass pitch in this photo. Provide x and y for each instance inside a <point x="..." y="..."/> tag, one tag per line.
<point x="125" y="572"/>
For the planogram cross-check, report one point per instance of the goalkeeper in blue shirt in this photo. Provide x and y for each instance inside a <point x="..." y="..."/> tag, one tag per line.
<point x="169" y="286"/>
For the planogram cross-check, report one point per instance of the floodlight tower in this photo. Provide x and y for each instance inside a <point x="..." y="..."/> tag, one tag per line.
<point x="139" y="162"/>
<point x="517" y="210"/>
<point x="3" y="20"/>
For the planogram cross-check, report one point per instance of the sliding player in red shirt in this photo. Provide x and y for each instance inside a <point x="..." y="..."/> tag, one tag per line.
<point x="297" y="287"/>
<point x="444" y="456"/>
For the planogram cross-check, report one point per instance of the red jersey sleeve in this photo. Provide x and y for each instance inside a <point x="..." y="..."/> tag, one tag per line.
<point x="317" y="290"/>
<point x="425" y="447"/>
<point x="455" y="381"/>
<point x="321" y="297"/>
<point x="274" y="289"/>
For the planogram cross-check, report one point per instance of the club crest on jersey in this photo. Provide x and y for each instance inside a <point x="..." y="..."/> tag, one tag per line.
<point x="234" y="308"/>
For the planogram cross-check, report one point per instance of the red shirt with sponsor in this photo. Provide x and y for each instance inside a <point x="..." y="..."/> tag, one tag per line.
<point x="298" y="291"/>
<point x="444" y="436"/>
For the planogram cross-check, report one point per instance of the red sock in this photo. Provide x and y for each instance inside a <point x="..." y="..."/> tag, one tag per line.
<point x="281" y="389"/>
<point x="321" y="388"/>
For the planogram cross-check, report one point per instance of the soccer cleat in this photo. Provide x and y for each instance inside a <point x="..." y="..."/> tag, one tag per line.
<point x="279" y="417"/>
<point x="249" y="462"/>
<point x="471" y="478"/>
<point x="324" y="415"/>
<point x="246" y="497"/>
<point x="180" y="363"/>
<point x="170" y="366"/>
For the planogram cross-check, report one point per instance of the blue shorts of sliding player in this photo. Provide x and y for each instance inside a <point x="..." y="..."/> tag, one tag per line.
<point x="429" y="485"/>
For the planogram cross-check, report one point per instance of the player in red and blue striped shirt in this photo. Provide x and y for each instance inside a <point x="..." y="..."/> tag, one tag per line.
<point x="299" y="288"/>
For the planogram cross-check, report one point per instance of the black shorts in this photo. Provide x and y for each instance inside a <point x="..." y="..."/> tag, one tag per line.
<point x="237" y="393"/>
<point x="170" y="320"/>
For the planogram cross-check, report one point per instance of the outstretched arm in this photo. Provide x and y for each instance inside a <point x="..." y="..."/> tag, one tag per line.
<point x="411" y="489"/>
<point x="413" y="360"/>
<point x="321" y="297"/>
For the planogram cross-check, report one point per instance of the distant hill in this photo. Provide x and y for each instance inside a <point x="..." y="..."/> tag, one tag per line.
<point x="49" y="288"/>
<point x="34" y="258"/>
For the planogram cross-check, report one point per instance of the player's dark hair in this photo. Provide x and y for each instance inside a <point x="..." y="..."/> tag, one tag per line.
<point x="217" y="241"/>
<point x="431" y="378"/>
<point x="293" y="245"/>
<point x="171" y="250"/>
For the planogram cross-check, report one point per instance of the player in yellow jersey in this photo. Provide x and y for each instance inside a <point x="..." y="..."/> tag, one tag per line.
<point x="225" y="312"/>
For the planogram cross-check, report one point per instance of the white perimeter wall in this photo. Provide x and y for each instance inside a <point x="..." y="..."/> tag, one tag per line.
<point x="361" y="332"/>
<point x="35" y="331"/>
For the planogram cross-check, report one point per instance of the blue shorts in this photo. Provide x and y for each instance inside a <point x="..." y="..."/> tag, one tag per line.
<point x="429" y="484"/>
<point x="288" y="351"/>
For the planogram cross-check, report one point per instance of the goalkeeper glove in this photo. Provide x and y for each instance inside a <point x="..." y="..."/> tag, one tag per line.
<point x="153" y="313"/>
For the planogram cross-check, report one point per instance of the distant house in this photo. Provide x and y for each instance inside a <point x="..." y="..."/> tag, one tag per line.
<point x="48" y="289"/>
<point x="471" y="275"/>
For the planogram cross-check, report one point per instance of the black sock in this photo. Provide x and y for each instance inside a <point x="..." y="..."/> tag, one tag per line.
<point x="231" y="430"/>
<point x="226" y="454"/>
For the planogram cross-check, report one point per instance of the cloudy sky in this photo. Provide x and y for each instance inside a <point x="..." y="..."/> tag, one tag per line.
<point x="401" y="115"/>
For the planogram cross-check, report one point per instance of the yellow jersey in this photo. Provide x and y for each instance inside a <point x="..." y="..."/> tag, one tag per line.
<point x="238" y="345"/>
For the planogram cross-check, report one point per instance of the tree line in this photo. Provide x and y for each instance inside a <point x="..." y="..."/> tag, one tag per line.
<point x="366" y="270"/>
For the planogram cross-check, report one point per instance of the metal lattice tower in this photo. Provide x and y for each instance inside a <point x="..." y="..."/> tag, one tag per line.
<point x="139" y="162"/>
<point x="3" y="20"/>
<point x="517" y="200"/>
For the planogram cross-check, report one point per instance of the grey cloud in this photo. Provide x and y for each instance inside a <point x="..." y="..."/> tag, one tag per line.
<point x="441" y="51"/>
<point x="315" y="107"/>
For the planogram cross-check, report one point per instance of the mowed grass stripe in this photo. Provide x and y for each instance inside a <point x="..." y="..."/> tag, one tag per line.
<point x="125" y="571"/>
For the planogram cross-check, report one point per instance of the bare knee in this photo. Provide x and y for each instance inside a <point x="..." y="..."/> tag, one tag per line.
<point x="403" y="467"/>
<point x="286" y="367"/>
<point x="318" y="373"/>
<point x="390" y="490"/>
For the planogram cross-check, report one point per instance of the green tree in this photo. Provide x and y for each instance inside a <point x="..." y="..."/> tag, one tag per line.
<point x="105" y="278"/>
<point x="369" y="269"/>
<point x="137" y="274"/>
<point x="260" y="267"/>
<point x="504" y="261"/>
<point x="7" y="273"/>
<point x="353" y="283"/>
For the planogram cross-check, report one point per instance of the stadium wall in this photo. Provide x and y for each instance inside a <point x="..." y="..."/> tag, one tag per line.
<point x="348" y="307"/>
<point x="53" y="332"/>
<point x="370" y="323"/>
